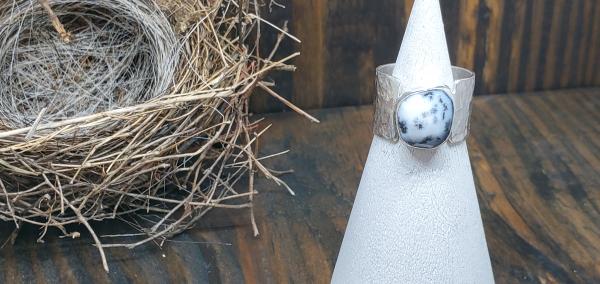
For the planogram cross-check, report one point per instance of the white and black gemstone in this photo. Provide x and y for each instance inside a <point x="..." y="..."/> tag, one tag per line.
<point x="425" y="118"/>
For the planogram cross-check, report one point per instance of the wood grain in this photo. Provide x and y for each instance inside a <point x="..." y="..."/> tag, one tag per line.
<point x="512" y="45"/>
<point x="536" y="164"/>
<point x="314" y="62"/>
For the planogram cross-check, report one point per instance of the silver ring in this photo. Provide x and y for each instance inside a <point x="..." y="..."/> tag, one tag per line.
<point x="426" y="118"/>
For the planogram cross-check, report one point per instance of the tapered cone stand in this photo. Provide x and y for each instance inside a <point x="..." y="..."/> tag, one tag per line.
<point x="415" y="217"/>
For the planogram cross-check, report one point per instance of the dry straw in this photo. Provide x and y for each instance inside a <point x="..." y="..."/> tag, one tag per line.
<point x="130" y="109"/>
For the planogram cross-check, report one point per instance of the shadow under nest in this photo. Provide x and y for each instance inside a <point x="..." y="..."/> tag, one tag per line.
<point x="130" y="109"/>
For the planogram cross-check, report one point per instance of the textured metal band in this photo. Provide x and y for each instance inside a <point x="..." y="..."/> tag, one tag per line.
<point x="390" y="93"/>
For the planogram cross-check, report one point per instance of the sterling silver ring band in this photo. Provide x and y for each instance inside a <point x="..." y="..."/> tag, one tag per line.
<point x="427" y="118"/>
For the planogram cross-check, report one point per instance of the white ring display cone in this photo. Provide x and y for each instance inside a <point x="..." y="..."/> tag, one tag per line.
<point x="416" y="217"/>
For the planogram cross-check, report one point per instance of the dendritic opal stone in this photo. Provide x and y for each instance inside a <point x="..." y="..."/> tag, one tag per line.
<point x="425" y="118"/>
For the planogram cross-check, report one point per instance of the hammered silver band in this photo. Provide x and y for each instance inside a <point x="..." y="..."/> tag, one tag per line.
<point x="390" y="93"/>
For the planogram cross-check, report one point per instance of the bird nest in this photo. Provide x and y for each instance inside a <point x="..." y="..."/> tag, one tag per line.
<point x="129" y="109"/>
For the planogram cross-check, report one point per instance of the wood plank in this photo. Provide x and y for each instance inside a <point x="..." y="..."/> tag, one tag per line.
<point x="596" y="58"/>
<point x="515" y="35"/>
<point x="492" y="11"/>
<point x="538" y="27"/>
<point x="310" y="20"/>
<point x="567" y="72"/>
<point x="355" y="54"/>
<point x="467" y="34"/>
<point x="584" y="52"/>
<point x="536" y="164"/>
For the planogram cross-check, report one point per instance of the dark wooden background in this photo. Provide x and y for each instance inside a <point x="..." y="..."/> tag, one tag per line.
<point x="535" y="157"/>
<point x="512" y="45"/>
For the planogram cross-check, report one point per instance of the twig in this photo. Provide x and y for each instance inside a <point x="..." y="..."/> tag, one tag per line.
<point x="35" y="123"/>
<point x="12" y="237"/>
<point x="64" y="35"/>
<point x="8" y="203"/>
<point x="288" y="103"/>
